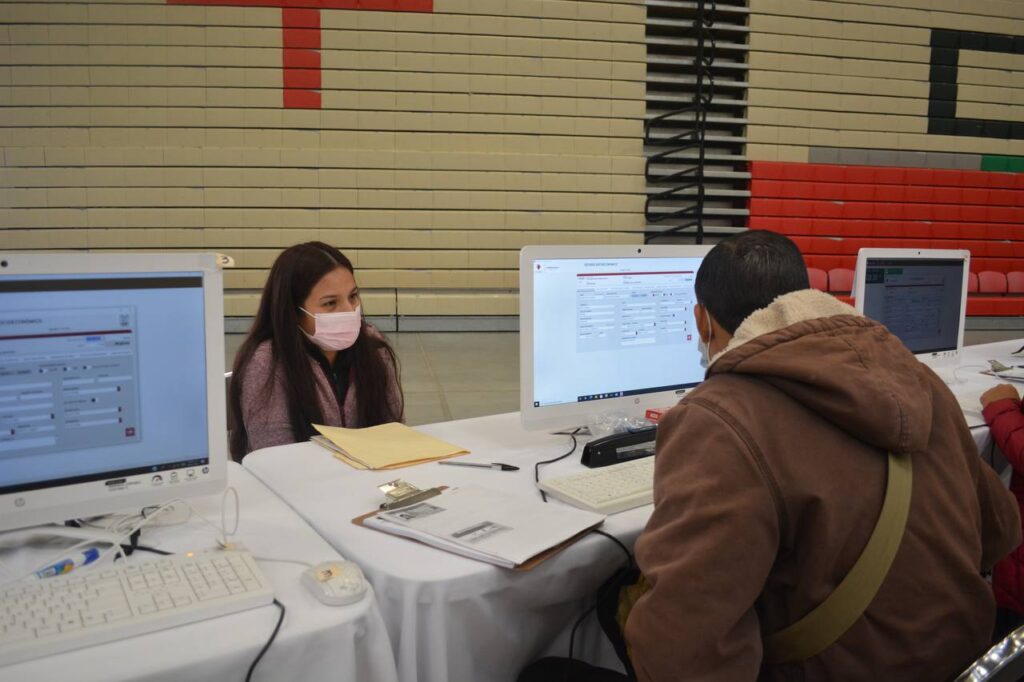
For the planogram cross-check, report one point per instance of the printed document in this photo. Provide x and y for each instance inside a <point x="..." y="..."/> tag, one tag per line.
<point x="488" y="525"/>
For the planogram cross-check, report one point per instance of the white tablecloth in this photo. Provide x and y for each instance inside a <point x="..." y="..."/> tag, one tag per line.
<point x="456" y="620"/>
<point x="453" y="619"/>
<point x="965" y="378"/>
<point x="316" y="642"/>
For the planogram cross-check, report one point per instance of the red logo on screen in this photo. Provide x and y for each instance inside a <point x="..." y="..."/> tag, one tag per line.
<point x="300" y="38"/>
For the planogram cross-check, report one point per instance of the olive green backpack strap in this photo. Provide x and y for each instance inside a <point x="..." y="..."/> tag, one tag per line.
<point x="816" y="631"/>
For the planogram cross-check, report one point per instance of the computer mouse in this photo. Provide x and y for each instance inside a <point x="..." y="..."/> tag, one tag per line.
<point x="335" y="583"/>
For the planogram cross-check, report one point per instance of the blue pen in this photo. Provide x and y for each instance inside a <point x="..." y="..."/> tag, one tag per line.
<point x="71" y="563"/>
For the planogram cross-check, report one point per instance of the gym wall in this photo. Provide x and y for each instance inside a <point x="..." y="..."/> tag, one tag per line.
<point x="427" y="140"/>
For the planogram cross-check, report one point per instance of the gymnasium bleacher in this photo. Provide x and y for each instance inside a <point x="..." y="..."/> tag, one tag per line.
<point x="833" y="211"/>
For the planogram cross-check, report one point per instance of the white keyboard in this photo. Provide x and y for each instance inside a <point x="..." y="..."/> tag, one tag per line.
<point x="46" y="616"/>
<point x="606" y="490"/>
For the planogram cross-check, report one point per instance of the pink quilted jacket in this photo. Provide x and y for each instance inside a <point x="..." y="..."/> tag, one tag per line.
<point x="265" y="413"/>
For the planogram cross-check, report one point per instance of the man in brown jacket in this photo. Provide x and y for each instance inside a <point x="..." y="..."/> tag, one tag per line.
<point x="770" y="477"/>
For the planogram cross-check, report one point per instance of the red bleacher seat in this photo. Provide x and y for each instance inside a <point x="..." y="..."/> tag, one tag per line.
<point x="819" y="278"/>
<point x="972" y="283"/>
<point x="840" y="280"/>
<point x="826" y="263"/>
<point x="831" y="211"/>
<point x="1015" y="282"/>
<point x="996" y="306"/>
<point x="990" y="282"/>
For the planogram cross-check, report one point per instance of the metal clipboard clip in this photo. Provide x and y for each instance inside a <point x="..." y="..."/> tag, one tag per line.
<point x="399" y="494"/>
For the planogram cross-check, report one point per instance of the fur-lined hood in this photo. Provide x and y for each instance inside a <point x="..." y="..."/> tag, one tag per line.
<point x="845" y="367"/>
<point x="785" y="310"/>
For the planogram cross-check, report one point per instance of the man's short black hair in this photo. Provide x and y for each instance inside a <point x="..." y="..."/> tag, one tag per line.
<point x="746" y="272"/>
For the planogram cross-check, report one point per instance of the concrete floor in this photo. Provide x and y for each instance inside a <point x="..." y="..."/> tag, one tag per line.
<point x="457" y="375"/>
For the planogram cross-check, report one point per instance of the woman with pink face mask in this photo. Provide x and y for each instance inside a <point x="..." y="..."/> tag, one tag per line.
<point x="310" y="358"/>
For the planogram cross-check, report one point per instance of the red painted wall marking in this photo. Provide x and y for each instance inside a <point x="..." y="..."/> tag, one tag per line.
<point x="300" y="38"/>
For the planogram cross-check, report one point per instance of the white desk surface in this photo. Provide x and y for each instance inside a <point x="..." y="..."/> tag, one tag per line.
<point x="452" y="618"/>
<point x="968" y="380"/>
<point x="316" y="642"/>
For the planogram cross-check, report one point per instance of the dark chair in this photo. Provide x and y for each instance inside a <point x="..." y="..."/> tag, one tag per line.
<point x="1004" y="662"/>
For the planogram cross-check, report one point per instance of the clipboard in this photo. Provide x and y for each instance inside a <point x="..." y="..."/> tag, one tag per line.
<point x="1014" y="374"/>
<point x="528" y="565"/>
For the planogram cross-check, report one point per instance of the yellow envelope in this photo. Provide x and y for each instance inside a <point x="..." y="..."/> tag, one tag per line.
<point x="386" y="446"/>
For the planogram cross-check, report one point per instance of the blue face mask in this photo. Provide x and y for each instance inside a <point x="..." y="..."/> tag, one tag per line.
<point x="705" y="353"/>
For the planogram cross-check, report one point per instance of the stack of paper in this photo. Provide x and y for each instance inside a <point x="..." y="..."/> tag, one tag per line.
<point x="488" y="525"/>
<point x="387" y="446"/>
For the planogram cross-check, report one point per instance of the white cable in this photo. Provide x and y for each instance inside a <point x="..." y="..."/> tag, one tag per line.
<point x="117" y="528"/>
<point x="223" y="511"/>
<point x="956" y="372"/>
<point x="277" y="560"/>
<point x="124" y="526"/>
<point x="53" y="559"/>
<point x="146" y="520"/>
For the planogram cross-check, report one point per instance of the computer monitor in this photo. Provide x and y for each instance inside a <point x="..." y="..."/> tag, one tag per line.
<point x="111" y="383"/>
<point x="605" y="329"/>
<point x="920" y="295"/>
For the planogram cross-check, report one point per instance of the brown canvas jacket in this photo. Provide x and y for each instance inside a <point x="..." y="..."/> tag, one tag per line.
<point x="769" y="479"/>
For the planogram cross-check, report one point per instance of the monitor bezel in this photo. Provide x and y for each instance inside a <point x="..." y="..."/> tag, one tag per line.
<point x="56" y="504"/>
<point x="571" y="415"/>
<point x="860" y="279"/>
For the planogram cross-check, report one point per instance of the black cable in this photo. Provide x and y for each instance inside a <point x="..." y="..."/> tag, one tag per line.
<point x="600" y="596"/>
<point x="536" y="466"/>
<point x="629" y="555"/>
<point x="572" y="639"/>
<point x="134" y="545"/>
<point x="273" y="636"/>
<point x="128" y="549"/>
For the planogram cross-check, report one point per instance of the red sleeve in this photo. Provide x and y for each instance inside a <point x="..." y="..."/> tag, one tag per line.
<point x="1006" y="421"/>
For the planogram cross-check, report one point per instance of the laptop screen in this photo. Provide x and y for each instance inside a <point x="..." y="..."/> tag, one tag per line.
<point x="917" y="299"/>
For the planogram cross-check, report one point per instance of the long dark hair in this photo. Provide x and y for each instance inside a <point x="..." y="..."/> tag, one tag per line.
<point x="293" y="275"/>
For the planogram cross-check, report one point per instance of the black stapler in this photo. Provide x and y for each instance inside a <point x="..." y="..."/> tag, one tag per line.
<point x="620" y="447"/>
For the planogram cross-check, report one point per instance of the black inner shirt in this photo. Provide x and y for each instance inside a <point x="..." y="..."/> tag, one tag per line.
<point x="337" y="374"/>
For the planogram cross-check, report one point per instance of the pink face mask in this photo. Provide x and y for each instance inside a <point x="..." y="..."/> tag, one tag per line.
<point x="335" y="331"/>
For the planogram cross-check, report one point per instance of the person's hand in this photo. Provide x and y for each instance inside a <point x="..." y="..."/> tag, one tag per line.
<point x="1000" y="392"/>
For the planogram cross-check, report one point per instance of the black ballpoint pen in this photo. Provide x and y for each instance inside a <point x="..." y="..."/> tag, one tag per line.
<point x="482" y="465"/>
